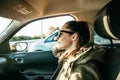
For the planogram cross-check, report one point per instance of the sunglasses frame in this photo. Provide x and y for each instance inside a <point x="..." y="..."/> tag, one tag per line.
<point x="69" y="32"/>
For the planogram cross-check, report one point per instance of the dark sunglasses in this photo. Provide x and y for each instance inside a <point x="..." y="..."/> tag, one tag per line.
<point x="59" y="32"/>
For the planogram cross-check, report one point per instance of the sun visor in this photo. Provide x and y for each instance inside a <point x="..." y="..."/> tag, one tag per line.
<point x="107" y="23"/>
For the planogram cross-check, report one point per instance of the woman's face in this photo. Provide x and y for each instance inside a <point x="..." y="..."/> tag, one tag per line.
<point x="64" y="41"/>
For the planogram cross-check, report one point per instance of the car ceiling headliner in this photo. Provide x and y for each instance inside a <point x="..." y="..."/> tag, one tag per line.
<point x="25" y="10"/>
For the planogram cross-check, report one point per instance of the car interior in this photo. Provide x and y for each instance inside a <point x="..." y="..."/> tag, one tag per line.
<point x="103" y="15"/>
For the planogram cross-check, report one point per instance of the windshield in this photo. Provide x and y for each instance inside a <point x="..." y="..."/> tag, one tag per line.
<point x="4" y="22"/>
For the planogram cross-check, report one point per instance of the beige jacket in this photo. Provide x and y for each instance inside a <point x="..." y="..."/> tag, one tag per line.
<point x="83" y="66"/>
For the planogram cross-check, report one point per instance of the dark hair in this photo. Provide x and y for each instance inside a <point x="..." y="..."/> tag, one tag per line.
<point x="81" y="28"/>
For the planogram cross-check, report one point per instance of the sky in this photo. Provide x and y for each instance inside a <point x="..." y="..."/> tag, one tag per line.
<point x="36" y="26"/>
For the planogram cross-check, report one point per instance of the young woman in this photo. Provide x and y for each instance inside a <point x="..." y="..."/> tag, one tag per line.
<point x="78" y="60"/>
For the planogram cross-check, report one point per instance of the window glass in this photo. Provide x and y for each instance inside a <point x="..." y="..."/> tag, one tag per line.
<point x="41" y="27"/>
<point x="101" y="40"/>
<point x="36" y="32"/>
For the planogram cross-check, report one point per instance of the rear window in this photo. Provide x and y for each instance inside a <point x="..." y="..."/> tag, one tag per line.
<point x="100" y="40"/>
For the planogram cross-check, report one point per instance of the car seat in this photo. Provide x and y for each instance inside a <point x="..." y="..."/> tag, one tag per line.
<point x="107" y="25"/>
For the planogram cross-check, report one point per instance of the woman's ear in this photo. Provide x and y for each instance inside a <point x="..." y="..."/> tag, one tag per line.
<point x="74" y="37"/>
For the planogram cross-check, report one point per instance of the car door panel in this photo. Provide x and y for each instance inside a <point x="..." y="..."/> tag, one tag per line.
<point x="40" y="64"/>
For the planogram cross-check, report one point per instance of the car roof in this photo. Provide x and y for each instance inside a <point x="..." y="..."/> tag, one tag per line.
<point x="26" y="10"/>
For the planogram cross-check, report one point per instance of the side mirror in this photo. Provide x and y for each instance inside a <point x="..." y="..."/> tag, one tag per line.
<point x="19" y="47"/>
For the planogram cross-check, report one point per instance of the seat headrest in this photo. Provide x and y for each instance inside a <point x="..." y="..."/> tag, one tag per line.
<point x="107" y="23"/>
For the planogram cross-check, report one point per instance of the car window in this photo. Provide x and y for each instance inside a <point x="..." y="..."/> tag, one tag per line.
<point x="4" y="22"/>
<point x="36" y="32"/>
